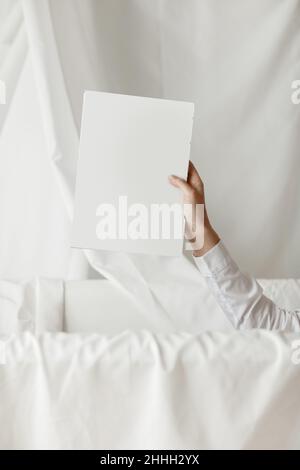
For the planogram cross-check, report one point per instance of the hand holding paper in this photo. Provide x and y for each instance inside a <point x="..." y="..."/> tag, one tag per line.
<point x="193" y="195"/>
<point x="129" y="146"/>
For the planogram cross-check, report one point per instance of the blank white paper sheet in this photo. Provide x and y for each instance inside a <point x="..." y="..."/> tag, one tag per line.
<point x="129" y="145"/>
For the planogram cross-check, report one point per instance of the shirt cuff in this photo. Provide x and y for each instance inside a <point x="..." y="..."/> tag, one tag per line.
<point x="214" y="261"/>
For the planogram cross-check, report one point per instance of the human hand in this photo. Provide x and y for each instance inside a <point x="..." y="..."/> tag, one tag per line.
<point x="193" y="194"/>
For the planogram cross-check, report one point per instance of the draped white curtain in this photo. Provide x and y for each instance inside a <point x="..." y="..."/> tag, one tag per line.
<point x="235" y="60"/>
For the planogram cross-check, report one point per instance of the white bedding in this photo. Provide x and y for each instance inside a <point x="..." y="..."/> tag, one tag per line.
<point x="98" y="306"/>
<point x="145" y="390"/>
<point x="126" y="385"/>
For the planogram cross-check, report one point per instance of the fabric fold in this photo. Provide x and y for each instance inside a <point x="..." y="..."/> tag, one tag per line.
<point x="35" y="306"/>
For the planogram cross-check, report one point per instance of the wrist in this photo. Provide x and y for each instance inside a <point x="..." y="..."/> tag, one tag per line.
<point x="211" y="238"/>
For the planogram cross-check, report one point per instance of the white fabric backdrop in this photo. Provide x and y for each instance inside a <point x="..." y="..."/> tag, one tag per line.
<point x="235" y="60"/>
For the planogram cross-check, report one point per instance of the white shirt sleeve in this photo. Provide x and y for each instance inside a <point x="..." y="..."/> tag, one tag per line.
<point x="240" y="296"/>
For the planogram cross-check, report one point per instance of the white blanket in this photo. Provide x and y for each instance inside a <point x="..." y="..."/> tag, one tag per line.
<point x="139" y="388"/>
<point x="145" y="390"/>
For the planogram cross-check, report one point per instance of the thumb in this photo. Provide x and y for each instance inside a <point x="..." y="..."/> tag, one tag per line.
<point x="181" y="184"/>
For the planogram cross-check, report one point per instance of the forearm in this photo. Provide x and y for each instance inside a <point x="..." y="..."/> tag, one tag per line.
<point x="240" y="296"/>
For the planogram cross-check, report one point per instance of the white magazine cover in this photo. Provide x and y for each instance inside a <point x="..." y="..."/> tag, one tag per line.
<point x="129" y="145"/>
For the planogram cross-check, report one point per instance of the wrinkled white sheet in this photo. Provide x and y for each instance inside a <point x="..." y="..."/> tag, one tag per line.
<point x="127" y="388"/>
<point x="143" y="390"/>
